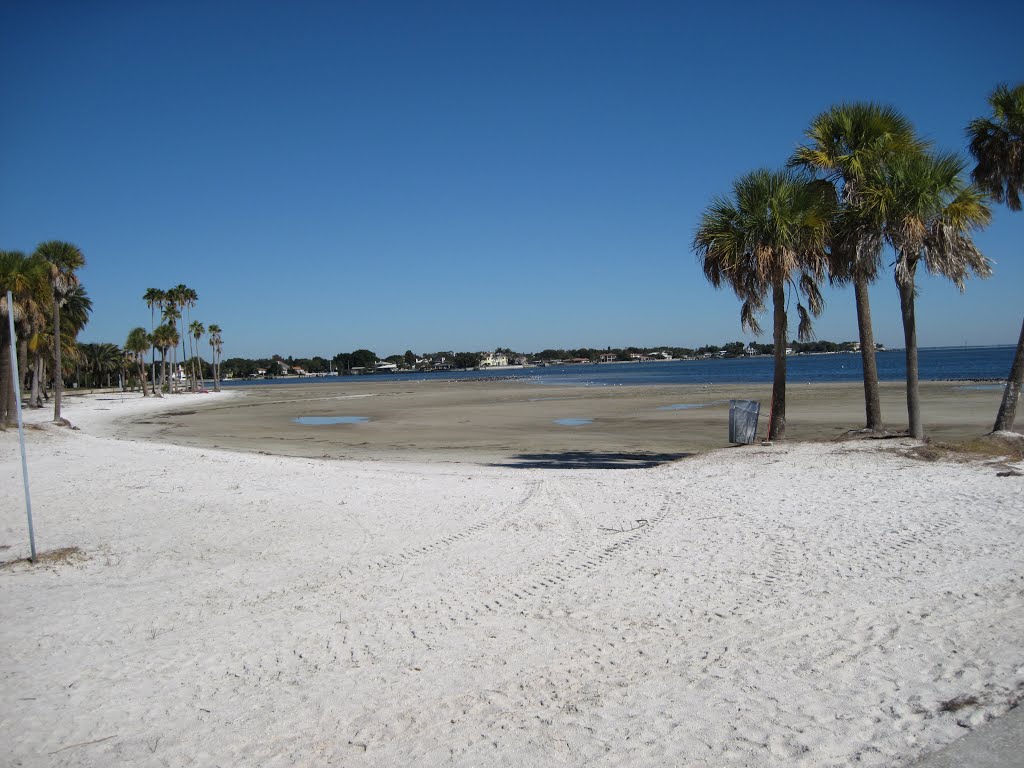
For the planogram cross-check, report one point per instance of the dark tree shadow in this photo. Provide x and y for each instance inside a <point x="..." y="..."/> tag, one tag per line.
<point x="590" y="460"/>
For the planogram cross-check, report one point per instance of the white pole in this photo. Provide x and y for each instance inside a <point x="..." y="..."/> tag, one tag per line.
<point x="16" y="382"/>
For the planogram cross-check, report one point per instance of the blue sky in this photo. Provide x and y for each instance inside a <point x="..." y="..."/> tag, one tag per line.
<point x="467" y="175"/>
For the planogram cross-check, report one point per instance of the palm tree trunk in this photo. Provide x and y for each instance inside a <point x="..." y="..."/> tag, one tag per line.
<point x="158" y="387"/>
<point x="906" y="288"/>
<point x="142" y="373"/>
<point x="58" y="364"/>
<point x="5" y="377"/>
<point x="37" y="375"/>
<point x="23" y="370"/>
<point x="777" y="420"/>
<point x="872" y="399"/>
<point x="152" y="327"/>
<point x="184" y="361"/>
<point x="1008" y="408"/>
<point x="195" y="356"/>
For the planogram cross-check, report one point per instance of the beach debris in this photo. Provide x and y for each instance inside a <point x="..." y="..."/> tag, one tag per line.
<point x="633" y="526"/>
<point x="83" y="744"/>
<point x="53" y="557"/>
<point x="958" y="702"/>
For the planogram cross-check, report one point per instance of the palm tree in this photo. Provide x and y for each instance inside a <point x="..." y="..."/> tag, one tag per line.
<point x="184" y="298"/>
<point x="997" y="143"/>
<point x="215" y="347"/>
<point x="171" y="315"/>
<point x="28" y="280"/>
<point x="154" y="299"/>
<point x="137" y="343"/>
<point x="770" y="235"/>
<point x="926" y="213"/>
<point x="196" y="329"/>
<point x="191" y="299"/>
<point x="844" y="144"/>
<point x="100" y="360"/>
<point x="166" y="338"/>
<point x="65" y="260"/>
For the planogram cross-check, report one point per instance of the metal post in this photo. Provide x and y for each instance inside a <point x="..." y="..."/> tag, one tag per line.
<point x="16" y="383"/>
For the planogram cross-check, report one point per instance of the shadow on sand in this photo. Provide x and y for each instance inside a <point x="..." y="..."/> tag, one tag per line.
<point x="590" y="460"/>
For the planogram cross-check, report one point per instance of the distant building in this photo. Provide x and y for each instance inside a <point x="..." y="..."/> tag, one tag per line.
<point x="492" y="359"/>
<point x="609" y="357"/>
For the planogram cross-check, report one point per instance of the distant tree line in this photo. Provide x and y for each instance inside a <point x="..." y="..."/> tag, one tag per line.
<point x="366" y="359"/>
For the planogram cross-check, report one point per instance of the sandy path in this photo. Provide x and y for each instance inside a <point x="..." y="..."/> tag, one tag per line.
<point x="805" y="605"/>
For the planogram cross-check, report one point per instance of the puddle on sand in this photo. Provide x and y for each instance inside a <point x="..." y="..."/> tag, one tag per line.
<point x="573" y="422"/>
<point x="322" y="420"/>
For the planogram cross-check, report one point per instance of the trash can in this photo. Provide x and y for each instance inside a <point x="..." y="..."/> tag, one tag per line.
<point x="743" y="421"/>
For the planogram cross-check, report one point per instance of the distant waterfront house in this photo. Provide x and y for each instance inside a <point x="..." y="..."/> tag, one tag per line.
<point x="750" y="351"/>
<point x="638" y="357"/>
<point x="492" y="359"/>
<point x="609" y="357"/>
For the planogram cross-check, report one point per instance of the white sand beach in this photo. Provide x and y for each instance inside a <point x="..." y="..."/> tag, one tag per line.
<point x="807" y="604"/>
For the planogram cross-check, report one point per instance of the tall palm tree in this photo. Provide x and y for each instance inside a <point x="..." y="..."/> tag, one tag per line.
<point x="65" y="260"/>
<point x="74" y="315"/>
<point x="997" y="143"/>
<point x="844" y="144"/>
<point x="171" y="315"/>
<point x="28" y="280"/>
<point x="769" y="235"/>
<point x="154" y="298"/>
<point x="191" y="298"/>
<point x="926" y="213"/>
<point x="165" y="337"/>
<point x="215" y="347"/>
<point x="196" y="330"/>
<point x="184" y="298"/>
<point x="136" y="344"/>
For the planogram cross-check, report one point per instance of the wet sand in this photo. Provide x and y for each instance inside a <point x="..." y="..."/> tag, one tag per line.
<point x="514" y="422"/>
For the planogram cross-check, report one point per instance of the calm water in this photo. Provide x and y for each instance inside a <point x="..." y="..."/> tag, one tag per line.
<point x="936" y="364"/>
<point x="320" y="421"/>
